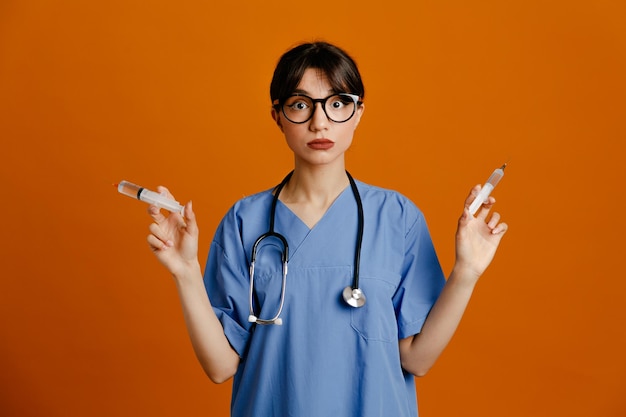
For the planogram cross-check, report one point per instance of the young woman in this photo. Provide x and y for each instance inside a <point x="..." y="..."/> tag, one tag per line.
<point x="322" y="296"/>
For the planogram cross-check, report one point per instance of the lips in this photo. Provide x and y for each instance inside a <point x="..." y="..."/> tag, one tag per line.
<point x="321" y="144"/>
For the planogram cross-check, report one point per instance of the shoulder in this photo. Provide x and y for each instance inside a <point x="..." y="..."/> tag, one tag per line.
<point x="249" y="209"/>
<point x="385" y="199"/>
<point x="252" y="202"/>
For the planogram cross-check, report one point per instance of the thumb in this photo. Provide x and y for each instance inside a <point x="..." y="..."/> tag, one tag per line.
<point x="466" y="217"/>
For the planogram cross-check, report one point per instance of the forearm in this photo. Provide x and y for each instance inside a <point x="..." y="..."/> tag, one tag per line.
<point x="419" y="353"/>
<point x="217" y="357"/>
<point x="477" y="240"/>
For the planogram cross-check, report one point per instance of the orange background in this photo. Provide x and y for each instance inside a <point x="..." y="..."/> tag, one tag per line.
<point x="176" y="93"/>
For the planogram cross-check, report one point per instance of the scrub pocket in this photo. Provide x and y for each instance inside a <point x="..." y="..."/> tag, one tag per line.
<point x="376" y="320"/>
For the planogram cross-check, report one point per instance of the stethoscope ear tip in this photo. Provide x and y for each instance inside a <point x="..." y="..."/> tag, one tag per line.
<point x="254" y="319"/>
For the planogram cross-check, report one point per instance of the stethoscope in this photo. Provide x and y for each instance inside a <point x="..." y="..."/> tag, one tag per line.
<point x="352" y="295"/>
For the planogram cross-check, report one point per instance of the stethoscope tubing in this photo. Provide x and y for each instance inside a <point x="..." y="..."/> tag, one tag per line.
<point x="359" y="234"/>
<point x="352" y="295"/>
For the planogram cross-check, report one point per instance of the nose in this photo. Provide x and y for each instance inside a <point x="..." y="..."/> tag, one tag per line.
<point x="319" y="121"/>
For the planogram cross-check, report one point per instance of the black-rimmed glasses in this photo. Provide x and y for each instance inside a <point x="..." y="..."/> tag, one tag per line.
<point x="299" y="108"/>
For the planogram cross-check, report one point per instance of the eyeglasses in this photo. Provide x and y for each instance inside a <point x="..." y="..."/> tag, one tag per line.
<point x="299" y="108"/>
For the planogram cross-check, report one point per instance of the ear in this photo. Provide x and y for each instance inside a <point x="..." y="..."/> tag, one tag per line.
<point x="276" y="118"/>
<point x="359" y="113"/>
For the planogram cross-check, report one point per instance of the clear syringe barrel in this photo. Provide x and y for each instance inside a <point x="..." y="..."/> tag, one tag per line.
<point x="495" y="177"/>
<point x="491" y="183"/>
<point x="140" y="193"/>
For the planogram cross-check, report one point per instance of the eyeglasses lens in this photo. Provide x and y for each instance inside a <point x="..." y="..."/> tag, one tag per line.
<point x="338" y="107"/>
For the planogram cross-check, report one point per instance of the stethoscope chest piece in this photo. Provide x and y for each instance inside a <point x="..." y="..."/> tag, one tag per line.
<point x="354" y="297"/>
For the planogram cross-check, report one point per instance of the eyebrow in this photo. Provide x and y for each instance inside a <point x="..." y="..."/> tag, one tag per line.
<point x="306" y="93"/>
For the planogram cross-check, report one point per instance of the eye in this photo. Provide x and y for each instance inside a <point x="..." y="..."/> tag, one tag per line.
<point x="299" y="105"/>
<point x="338" y="102"/>
<point x="296" y="103"/>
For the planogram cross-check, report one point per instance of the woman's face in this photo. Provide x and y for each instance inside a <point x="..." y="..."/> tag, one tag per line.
<point x="318" y="141"/>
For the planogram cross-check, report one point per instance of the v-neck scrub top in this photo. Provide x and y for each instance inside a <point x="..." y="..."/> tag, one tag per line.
<point x="327" y="359"/>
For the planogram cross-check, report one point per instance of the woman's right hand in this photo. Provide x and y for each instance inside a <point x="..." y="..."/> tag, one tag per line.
<point x="174" y="238"/>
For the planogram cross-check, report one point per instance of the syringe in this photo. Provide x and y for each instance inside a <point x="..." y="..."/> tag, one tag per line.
<point x="150" y="197"/>
<point x="491" y="183"/>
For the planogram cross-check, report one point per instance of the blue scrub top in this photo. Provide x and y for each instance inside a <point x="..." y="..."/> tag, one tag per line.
<point x="327" y="359"/>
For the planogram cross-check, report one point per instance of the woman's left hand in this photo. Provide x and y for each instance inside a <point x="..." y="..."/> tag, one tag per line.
<point x="478" y="238"/>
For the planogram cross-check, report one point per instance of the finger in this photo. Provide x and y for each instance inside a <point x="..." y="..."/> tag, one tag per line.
<point x="465" y="217"/>
<point x="190" y="219"/>
<point x="493" y="221"/>
<point x="156" y="214"/>
<point x="500" y="229"/>
<point x="160" y="217"/>
<point x="472" y="195"/>
<point x="484" y="209"/>
<point x="155" y="243"/>
<point x="156" y="231"/>
<point x="165" y="192"/>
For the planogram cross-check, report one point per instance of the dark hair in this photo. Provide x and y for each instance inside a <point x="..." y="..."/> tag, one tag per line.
<point x="340" y="69"/>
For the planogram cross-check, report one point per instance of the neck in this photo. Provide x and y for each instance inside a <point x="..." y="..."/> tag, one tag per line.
<point x="319" y="185"/>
